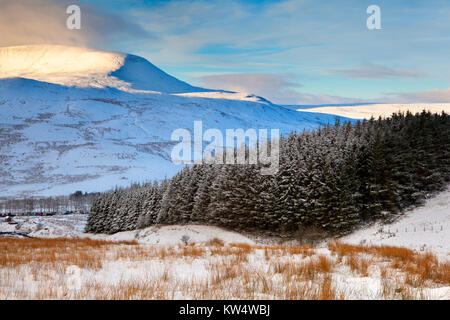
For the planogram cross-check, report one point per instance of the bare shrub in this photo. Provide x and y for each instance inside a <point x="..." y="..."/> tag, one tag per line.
<point x="185" y="239"/>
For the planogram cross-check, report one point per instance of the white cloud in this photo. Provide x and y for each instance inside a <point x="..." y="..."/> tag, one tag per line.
<point x="430" y="96"/>
<point x="371" y="70"/>
<point x="250" y="82"/>
<point x="278" y="88"/>
<point x="275" y="87"/>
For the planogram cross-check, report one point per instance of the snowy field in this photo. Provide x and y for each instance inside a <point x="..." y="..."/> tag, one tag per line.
<point x="92" y="269"/>
<point x="366" y="111"/>
<point x="72" y="226"/>
<point x="204" y="262"/>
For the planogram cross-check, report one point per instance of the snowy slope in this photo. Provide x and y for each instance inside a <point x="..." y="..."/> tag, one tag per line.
<point x="79" y="119"/>
<point x="72" y="226"/>
<point x="366" y="111"/>
<point x="171" y="235"/>
<point x="423" y="228"/>
<point x="74" y="66"/>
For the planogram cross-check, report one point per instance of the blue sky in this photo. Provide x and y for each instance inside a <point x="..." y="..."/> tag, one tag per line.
<point x="289" y="51"/>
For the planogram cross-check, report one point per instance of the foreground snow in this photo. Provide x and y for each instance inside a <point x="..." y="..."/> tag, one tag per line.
<point x="179" y="262"/>
<point x="81" y="269"/>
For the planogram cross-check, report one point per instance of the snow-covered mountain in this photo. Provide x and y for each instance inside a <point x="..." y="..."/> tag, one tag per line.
<point x="368" y="110"/>
<point x="74" y="66"/>
<point x="81" y="119"/>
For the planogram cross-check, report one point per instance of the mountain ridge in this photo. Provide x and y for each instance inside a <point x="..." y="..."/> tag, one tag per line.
<point x="83" y="67"/>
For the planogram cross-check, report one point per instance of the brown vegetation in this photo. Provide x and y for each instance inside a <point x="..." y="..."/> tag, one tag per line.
<point x="230" y="271"/>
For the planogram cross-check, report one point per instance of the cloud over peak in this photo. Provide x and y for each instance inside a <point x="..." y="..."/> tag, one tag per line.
<point x="250" y="82"/>
<point x="278" y="88"/>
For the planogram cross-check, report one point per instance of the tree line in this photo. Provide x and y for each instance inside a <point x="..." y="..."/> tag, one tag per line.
<point x="332" y="179"/>
<point x="76" y="202"/>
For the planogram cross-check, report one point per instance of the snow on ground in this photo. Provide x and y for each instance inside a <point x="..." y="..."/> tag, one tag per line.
<point x="366" y="111"/>
<point x="161" y="266"/>
<point x="58" y="226"/>
<point x="72" y="226"/>
<point x="142" y="271"/>
<point x="171" y="235"/>
<point x="423" y="228"/>
<point x="227" y="95"/>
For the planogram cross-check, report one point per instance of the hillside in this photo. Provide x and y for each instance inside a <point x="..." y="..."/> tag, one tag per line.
<point x="81" y="119"/>
<point x="366" y="111"/>
<point x="423" y="228"/>
<point x="330" y="182"/>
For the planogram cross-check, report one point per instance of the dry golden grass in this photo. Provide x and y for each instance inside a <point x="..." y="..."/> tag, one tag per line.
<point x="324" y="265"/>
<point x="417" y="267"/>
<point x="327" y="291"/>
<point x="190" y="251"/>
<point x="242" y="247"/>
<point x="291" y="249"/>
<point x="38" y="269"/>
<point x="84" y="253"/>
<point x="215" y="242"/>
<point x="358" y="264"/>
<point x="304" y="270"/>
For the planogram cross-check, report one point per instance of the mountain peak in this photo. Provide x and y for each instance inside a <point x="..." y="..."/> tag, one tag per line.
<point x="83" y="67"/>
